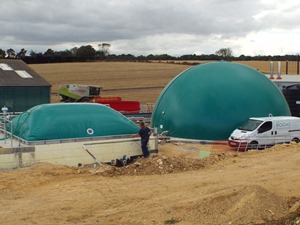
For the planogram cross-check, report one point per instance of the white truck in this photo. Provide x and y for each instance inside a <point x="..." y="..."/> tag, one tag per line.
<point x="262" y="132"/>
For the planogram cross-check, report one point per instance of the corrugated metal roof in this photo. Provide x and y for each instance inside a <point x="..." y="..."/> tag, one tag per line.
<point x="15" y="72"/>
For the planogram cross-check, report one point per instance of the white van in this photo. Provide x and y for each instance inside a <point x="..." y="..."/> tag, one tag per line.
<point x="262" y="132"/>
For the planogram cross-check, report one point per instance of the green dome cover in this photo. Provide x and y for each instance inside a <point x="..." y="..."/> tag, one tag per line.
<point x="71" y="120"/>
<point x="209" y="101"/>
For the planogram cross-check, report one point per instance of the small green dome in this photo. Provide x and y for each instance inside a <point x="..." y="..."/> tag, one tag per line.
<point x="71" y="120"/>
<point x="208" y="101"/>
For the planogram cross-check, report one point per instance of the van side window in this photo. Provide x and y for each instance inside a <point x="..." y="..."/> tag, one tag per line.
<point x="265" y="127"/>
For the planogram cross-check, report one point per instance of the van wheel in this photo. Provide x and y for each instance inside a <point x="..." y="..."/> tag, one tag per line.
<point x="124" y="162"/>
<point x="113" y="162"/>
<point x="253" y="145"/>
<point x="296" y="140"/>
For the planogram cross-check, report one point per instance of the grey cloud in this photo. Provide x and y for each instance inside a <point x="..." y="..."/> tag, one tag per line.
<point x="38" y="22"/>
<point x="129" y="20"/>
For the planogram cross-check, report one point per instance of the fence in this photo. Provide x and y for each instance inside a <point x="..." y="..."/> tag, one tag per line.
<point x="290" y="67"/>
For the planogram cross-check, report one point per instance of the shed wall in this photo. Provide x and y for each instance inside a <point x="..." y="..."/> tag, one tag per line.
<point x="19" y="99"/>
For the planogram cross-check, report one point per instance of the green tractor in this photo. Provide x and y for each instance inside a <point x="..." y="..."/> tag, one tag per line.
<point x="78" y="93"/>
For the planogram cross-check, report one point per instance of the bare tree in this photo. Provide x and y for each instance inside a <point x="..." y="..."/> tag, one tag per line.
<point x="74" y="51"/>
<point x="104" y="48"/>
<point x="225" y="53"/>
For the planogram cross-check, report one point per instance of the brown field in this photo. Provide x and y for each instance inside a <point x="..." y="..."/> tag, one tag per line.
<point x="146" y="80"/>
<point x="139" y="81"/>
<point x="262" y="66"/>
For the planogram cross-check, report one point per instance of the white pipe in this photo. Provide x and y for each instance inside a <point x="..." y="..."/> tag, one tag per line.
<point x="271" y="70"/>
<point x="164" y="132"/>
<point x="279" y="70"/>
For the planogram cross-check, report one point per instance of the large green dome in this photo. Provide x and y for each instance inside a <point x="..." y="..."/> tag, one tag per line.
<point x="71" y="120"/>
<point x="209" y="101"/>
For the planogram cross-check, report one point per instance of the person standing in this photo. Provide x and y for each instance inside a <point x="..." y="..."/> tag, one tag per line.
<point x="144" y="133"/>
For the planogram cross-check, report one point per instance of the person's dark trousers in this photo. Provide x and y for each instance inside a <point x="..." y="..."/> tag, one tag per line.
<point x="144" y="143"/>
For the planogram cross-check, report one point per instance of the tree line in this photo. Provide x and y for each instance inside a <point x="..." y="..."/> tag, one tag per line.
<point x="88" y="53"/>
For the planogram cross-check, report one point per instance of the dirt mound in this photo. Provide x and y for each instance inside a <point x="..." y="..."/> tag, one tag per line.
<point x="241" y="205"/>
<point x="157" y="164"/>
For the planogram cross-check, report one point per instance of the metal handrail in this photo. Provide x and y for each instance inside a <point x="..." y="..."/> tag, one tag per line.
<point x="248" y="146"/>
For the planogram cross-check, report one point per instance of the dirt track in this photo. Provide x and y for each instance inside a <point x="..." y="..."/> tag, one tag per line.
<point x="257" y="187"/>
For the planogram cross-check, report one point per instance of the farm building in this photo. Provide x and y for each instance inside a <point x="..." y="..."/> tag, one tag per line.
<point x="21" y="87"/>
<point x="209" y="101"/>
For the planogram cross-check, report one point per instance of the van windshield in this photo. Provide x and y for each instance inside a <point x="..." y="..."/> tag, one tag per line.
<point x="250" y="125"/>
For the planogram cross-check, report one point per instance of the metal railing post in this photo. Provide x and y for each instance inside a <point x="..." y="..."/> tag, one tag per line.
<point x="4" y="110"/>
<point x="11" y="135"/>
<point x="271" y="70"/>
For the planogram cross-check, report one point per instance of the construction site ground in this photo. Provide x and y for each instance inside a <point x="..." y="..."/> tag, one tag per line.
<point x="174" y="186"/>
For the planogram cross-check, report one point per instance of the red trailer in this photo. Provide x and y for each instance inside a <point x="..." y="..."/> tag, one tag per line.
<point x="116" y="103"/>
<point x="86" y="93"/>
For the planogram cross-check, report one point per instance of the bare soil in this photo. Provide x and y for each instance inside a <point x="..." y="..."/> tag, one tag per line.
<point x="172" y="187"/>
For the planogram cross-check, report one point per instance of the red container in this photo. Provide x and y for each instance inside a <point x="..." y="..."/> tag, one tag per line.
<point x="117" y="104"/>
<point x="125" y="107"/>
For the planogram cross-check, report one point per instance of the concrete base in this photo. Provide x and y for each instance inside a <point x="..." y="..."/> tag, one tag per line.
<point x="72" y="153"/>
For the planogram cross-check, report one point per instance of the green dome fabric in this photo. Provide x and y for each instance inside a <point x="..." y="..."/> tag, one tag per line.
<point x="209" y="101"/>
<point x="71" y="120"/>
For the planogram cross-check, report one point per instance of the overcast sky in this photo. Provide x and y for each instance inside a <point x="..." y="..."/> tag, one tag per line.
<point x="142" y="27"/>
